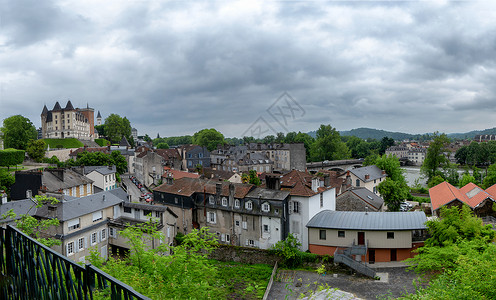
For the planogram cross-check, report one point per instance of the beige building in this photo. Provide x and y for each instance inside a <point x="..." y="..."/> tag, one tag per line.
<point x="368" y="177"/>
<point x="68" y="122"/>
<point x="383" y="236"/>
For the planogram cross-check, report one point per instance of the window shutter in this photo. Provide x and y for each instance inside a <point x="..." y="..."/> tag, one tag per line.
<point x="85" y="243"/>
<point x="290" y="207"/>
<point x="99" y="236"/>
<point x="76" y="247"/>
<point x="215" y="218"/>
<point x="223" y="237"/>
<point x="246" y="242"/>
<point x="67" y="249"/>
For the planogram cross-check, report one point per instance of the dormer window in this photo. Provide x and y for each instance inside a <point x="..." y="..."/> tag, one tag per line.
<point x="237" y="203"/>
<point x="211" y="200"/>
<point x="224" y="201"/>
<point x="249" y="205"/>
<point x="266" y="207"/>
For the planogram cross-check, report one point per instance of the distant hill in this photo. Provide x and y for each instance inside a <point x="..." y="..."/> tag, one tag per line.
<point x="471" y="134"/>
<point x="365" y="133"/>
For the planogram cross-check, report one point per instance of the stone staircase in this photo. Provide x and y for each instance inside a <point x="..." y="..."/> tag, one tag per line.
<point x="346" y="256"/>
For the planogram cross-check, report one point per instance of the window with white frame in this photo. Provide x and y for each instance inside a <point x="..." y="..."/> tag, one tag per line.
<point x="103" y="234"/>
<point x="224" y="201"/>
<point x="211" y="200"/>
<point x="73" y="224"/>
<point x="266" y="207"/>
<point x="296" y="207"/>
<point x="251" y="243"/>
<point x="211" y="217"/>
<point x="237" y="203"/>
<point x="70" y="248"/>
<point x="81" y="190"/>
<point x="249" y="205"/>
<point x="97" y="216"/>
<point x="93" y="238"/>
<point x="80" y="244"/>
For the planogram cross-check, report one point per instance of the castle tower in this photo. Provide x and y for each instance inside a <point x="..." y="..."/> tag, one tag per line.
<point x="98" y="119"/>
<point x="89" y="113"/>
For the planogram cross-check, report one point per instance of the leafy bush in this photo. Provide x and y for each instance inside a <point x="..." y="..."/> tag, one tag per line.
<point x="288" y="250"/>
<point x="11" y="157"/>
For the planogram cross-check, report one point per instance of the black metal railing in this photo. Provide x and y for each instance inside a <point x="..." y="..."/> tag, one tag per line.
<point x="30" y="270"/>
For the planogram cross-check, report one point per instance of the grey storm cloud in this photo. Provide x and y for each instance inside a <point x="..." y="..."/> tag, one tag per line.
<point x="176" y="67"/>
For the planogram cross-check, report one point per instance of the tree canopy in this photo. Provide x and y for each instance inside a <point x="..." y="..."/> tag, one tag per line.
<point x="116" y="128"/>
<point x="11" y="157"/>
<point x="17" y="131"/>
<point x="328" y="145"/>
<point x="435" y="157"/>
<point x="209" y="138"/>
<point x="36" y="149"/>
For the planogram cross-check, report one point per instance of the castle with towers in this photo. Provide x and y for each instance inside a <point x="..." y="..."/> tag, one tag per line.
<point x="69" y="122"/>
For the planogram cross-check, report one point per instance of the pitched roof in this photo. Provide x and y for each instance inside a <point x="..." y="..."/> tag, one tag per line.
<point x="45" y="110"/>
<point x="355" y="220"/>
<point x="176" y="174"/>
<point x="56" y="106"/>
<point x="300" y="184"/>
<point x="53" y="182"/>
<point x="373" y="171"/>
<point x="470" y="194"/>
<point x="492" y="190"/>
<point x="19" y="207"/>
<point x="188" y="186"/>
<point x="69" y="106"/>
<point x="124" y="142"/>
<point x="262" y="193"/>
<point x="168" y="153"/>
<point x="104" y="170"/>
<point x="366" y="196"/>
<point x="67" y="210"/>
<point x="98" y="115"/>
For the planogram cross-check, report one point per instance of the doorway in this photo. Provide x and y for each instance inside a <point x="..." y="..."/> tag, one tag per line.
<point x="371" y="256"/>
<point x="361" y="238"/>
<point x="393" y="255"/>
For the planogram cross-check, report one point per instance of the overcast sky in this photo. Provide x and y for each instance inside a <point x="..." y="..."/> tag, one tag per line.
<point x="251" y="67"/>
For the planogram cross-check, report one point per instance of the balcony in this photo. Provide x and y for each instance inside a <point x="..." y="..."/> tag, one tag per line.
<point x="30" y="270"/>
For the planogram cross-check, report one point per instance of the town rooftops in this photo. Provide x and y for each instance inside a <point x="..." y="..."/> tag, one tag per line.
<point x="372" y="171"/>
<point x="262" y="193"/>
<point x="366" y="195"/>
<point x="104" y="170"/>
<point x="68" y="210"/>
<point x="57" y="179"/>
<point x="470" y="194"/>
<point x="19" y="207"/>
<point x="188" y="186"/>
<point x="354" y="220"/>
<point x="176" y="174"/>
<point x="300" y="184"/>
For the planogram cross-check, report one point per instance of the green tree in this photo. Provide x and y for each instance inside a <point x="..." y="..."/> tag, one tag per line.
<point x="435" y="181"/>
<point x="435" y="157"/>
<point x="119" y="161"/>
<point x="490" y="178"/>
<point x="307" y="141"/>
<point x="391" y="164"/>
<point x="34" y="227"/>
<point x="101" y="130"/>
<point x="36" y="149"/>
<point x="393" y="192"/>
<point x="17" y="131"/>
<point x="385" y="143"/>
<point x="328" y="145"/>
<point x="279" y="138"/>
<point x="162" y="145"/>
<point x="466" y="179"/>
<point x="11" y="157"/>
<point x="209" y="138"/>
<point x="288" y="249"/>
<point x="147" y="138"/>
<point x="116" y="128"/>
<point x="6" y="180"/>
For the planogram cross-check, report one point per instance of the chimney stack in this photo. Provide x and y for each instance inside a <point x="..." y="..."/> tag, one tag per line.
<point x="367" y="176"/>
<point x="315" y="184"/>
<point x="29" y="194"/>
<point x="383" y="172"/>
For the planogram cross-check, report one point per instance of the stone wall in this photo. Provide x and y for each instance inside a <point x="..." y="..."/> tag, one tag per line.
<point x="62" y="154"/>
<point x="244" y="255"/>
<point x="350" y="202"/>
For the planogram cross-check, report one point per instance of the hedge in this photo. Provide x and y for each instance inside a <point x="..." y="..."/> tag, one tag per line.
<point x="11" y="157"/>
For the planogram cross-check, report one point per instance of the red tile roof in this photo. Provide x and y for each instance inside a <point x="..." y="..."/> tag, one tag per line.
<point x="187" y="186"/>
<point x="176" y="174"/>
<point x="492" y="191"/>
<point x="300" y="184"/>
<point x="470" y="194"/>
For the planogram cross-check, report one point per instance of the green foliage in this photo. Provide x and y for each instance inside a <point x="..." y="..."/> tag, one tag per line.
<point x="370" y="160"/>
<point x="328" y="145"/>
<point x="174" y="140"/>
<point x="11" y="157"/>
<point x="435" y="181"/>
<point x="102" y="142"/>
<point x="209" y="138"/>
<point x="17" y="131"/>
<point x="34" y="227"/>
<point x="36" y="149"/>
<point x="477" y="153"/>
<point x="6" y="180"/>
<point x="490" y="178"/>
<point x="393" y="192"/>
<point x="101" y="159"/>
<point x="100" y="129"/>
<point x="288" y="249"/>
<point x="162" y="146"/>
<point x="359" y="148"/>
<point x="63" y="143"/>
<point x="185" y="274"/>
<point x="462" y="251"/>
<point x="116" y="128"/>
<point x="466" y="179"/>
<point x="435" y="157"/>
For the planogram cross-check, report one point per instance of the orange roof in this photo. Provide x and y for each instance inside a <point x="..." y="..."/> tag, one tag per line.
<point x="176" y="174"/>
<point x="470" y="194"/>
<point x="492" y="191"/>
<point x="187" y="186"/>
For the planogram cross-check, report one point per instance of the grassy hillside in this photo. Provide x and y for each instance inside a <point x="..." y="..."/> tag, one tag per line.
<point x="63" y="143"/>
<point x="102" y="142"/>
<point x="471" y="134"/>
